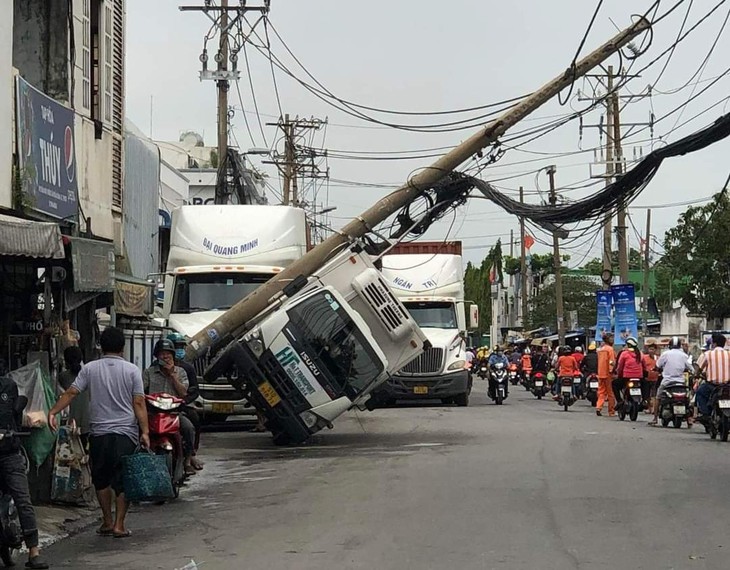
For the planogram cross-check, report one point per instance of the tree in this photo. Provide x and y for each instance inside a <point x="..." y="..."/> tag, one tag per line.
<point x="698" y="255"/>
<point x="579" y="294"/>
<point x="478" y="287"/>
<point x="511" y="265"/>
<point x="595" y="265"/>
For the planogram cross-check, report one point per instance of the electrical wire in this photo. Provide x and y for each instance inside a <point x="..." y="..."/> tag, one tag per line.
<point x="577" y="53"/>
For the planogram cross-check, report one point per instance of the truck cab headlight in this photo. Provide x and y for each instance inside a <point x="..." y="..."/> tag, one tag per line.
<point x="457" y="365"/>
<point x="310" y="419"/>
<point x="254" y="342"/>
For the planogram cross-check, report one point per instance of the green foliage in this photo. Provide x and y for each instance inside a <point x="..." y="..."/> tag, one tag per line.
<point x="478" y="288"/>
<point x="22" y="200"/>
<point x="511" y="265"/>
<point x="578" y="295"/>
<point x="214" y="158"/>
<point x="595" y="265"/>
<point x="696" y="265"/>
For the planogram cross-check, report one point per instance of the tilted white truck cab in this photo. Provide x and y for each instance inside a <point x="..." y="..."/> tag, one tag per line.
<point x="321" y="349"/>
<point x="431" y="286"/>
<point x="218" y="255"/>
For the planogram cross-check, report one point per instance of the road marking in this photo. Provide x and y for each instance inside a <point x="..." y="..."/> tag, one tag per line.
<point x="423" y="445"/>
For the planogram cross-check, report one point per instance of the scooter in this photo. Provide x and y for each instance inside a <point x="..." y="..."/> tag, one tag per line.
<point x="632" y="400"/>
<point x="720" y="417"/>
<point x="499" y="378"/>
<point x="11" y="533"/>
<point x="539" y="385"/>
<point x="526" y="379"/>
<point x="674" y="406"/>
<point x="566" y="392"/>
<point x="164" y="423"/>
<point x="483" y="371"/>
<point x="514" y="375"/>
<point x="592" y="389"/>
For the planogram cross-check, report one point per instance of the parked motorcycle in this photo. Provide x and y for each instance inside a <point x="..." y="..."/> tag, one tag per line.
<point x="499" y="379"/>
<point x="163" y="411"/>
<point x="591" y="387"/>
<point x="539" y="386"/>
<point x="513" y="374"/>
<point x="720" y="417"/>
<point x="566" y="392"/>
<point x="632" y="400"/>
<point x="674" y="406"/>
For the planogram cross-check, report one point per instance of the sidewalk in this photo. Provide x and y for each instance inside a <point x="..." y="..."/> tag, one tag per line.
<point x="56" y="522"/>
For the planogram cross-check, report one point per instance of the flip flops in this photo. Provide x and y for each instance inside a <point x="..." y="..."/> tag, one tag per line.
<point x="125" y="534"/>
<point x="104" y="531"/>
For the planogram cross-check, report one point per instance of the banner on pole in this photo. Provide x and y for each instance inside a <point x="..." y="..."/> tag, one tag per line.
<point x="624" y="303"/>
<point x="603" y="313"/>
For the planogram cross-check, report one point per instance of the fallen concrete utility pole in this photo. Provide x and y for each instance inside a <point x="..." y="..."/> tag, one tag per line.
<point x="232" y="323"/>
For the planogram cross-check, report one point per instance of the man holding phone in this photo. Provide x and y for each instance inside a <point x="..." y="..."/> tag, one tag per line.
<point x="163" y="377"/>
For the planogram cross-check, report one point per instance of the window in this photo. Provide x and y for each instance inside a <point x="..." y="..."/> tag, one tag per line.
<point x="213" y="291"/>
<point x="332" y="339"/>
<point x="439" y="315"/>
<point x="108" y="58"/>
<point x="86" y="56"/>
<point x="96" y="56"/>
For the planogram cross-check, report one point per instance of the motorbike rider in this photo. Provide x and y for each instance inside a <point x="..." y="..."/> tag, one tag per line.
<point x="578" y="355"/>
<point x="13" y="474"/>
<point x="540" y="361"/>
<point x="496" y="358"/>
<point x="589" y="364"/>
<point x="164" y="377"/>
<point x="673" y="364"/>
<point x="716" y="365"/>
<point x="193" y="392"/>
<point x="515" y="357"/>
<point x="650" y="358"/>
<point x="566" y="366"/>
<point x="630" y="365"/>
<point x="526" y="363"/>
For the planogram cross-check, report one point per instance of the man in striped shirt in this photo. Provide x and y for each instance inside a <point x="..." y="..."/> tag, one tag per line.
<point x="716" y="364"/>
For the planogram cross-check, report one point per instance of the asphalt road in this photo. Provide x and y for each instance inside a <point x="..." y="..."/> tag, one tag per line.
<point x="524" y="485"/>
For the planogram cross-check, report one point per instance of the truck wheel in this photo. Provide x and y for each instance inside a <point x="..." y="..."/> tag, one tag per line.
<point x="462" y="400"/>
<point x="281" y="438"/>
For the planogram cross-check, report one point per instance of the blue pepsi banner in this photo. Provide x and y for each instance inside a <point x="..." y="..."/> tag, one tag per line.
<point x="624" y="303"/>
<point x="46" y="153"/>
<point x="603" y="313"/>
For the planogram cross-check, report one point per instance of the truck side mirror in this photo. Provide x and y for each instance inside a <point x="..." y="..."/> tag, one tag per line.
<point x="473" y="317"/>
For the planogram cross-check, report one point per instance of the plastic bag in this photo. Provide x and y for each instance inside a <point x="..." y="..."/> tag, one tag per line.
<point x="146" y="477"/>
<point x="30" y="382"/>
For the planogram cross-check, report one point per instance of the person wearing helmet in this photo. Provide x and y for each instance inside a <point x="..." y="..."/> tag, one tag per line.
<point x="578" y="355"/>
<point x="630" y="365"/>
<point x="566" y="367"/>
<point x="163" y="377"/>
<point x="652" y="375"/>
<point x="190" y="412"/>
<point x="673" y="364"/>
<point x="497" y="357"/>
<point x="526" y="364"/>
<point x="589" y="363"/>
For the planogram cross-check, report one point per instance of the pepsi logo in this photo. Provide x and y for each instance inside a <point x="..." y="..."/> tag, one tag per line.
<point x="69" y="154"/>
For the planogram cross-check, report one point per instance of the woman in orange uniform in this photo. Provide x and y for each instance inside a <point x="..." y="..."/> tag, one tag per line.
<point x="606" y="362"/>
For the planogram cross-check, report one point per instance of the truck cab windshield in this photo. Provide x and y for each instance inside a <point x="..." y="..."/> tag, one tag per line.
<point x="433" y="314"/>
<point x="331" y="338"/>
<point x="213" y="291"/>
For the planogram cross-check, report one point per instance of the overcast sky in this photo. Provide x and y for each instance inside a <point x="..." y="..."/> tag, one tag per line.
<point x="427" y="55"/>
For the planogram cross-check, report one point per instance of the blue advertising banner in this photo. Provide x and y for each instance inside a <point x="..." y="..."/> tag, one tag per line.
<point x="624" y="303"/>
<point x="46" y="152"/>
<point x="603" y="312"/>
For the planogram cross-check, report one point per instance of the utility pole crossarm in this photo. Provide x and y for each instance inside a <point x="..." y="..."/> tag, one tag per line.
<point x="233" y="322"/>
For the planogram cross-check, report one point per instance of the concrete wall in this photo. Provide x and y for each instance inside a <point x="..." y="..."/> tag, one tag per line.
<point x="6" y="103"/>
<point x="40" y="45"/>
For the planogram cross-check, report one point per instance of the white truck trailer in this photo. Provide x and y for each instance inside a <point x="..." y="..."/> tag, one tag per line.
<point x="218" y="255"/>
<point x="428" y="278"/>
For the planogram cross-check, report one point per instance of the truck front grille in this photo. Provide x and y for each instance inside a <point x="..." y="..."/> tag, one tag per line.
<point x="430" y="361"/>
<point x="281" y="382"/>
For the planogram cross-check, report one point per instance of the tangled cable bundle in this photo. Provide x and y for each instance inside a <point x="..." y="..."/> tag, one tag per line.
<point x="613" y="196"/>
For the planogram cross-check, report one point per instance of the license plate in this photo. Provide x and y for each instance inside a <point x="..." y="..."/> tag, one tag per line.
<point x="420" y="389"/>
<point x="724" y="404"/>
<point x="567" y="390"/>
<point x="594" y="384"/>
<point x="270" y="395"/>
<point x="576" y="380"/>
<point x="635" y="391"/>
<point x="539" y="383"/>
<point x="679" y="410"/>
<point x="222" y="408"/>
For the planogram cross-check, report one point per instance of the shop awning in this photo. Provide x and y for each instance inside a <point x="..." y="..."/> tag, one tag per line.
<point x="30" y="239"/>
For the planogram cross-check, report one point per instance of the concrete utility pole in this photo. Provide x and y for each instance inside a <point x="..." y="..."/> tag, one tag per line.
<point x="289" y="157"/>
<point x="557" y="265"/>
<point x="623" y="245"/>
<point x="608" y="223"/>
<point x="223" y="75"/>
<point x="232" y="323"/>
<point x="645" y="287"/>
<point x="221" y="59"/>
<point x="523" y="265"/>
